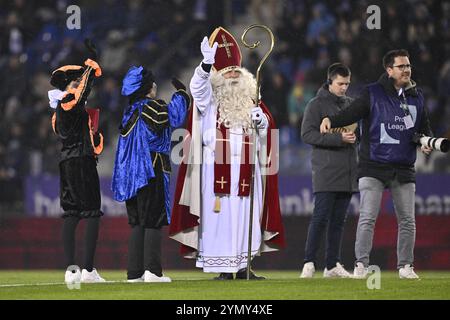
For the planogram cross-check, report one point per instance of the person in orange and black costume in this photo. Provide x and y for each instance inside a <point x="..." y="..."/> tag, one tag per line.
<point x="79" y="182"/>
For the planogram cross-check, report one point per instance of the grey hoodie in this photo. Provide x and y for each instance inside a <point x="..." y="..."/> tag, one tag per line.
<point x="334" y="163"/>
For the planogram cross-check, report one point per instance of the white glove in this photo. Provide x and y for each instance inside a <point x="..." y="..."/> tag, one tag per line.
<point x="208" y="52"/>
<point x="260" y="118"/>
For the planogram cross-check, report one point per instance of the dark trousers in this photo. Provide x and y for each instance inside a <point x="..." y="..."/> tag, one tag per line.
<point x="330" y="210"/>
<point x="68" y="235"/>
<point x="144" y="252"/>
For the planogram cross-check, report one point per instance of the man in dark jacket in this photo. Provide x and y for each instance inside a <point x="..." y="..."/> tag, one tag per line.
<point x="333" y="172"/>
<point x="390" y="111"/>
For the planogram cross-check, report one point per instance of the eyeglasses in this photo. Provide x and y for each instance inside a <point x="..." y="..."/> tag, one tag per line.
<point x="403" y="67"/>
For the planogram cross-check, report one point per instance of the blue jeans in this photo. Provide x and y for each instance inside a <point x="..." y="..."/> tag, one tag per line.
<point x="330" y="209"/>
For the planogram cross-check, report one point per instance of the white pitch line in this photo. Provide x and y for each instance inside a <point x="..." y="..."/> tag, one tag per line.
<point x="30" y="284"/>
<point x="46" y="284"/>
<point x="63" y="283"/>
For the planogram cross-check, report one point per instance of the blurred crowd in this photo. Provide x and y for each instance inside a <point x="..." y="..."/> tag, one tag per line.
<point x="35" y="40"/>
<point x="313" y="34"/>
<point x="164" y="35"/>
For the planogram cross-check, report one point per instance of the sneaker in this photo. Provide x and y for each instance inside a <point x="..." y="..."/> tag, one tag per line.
<point x="242" y="275"/>
<point x="308" y="270"/>
<point x="91" y="277"/>
<point x="407" y="272"/>
<point x="151" y="277"/>
<point x="224" y="276"/>
<point x="360" y="272"/>
<point x="140" y="279"/>
<point x="336" y="272"/>
<point x="72" y="276"/>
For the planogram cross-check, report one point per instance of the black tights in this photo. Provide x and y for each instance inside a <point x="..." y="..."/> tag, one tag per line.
<point x="91" y="235"/>
<point x="144" y="252"/>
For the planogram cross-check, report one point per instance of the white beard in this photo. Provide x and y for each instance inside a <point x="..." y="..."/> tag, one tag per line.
<point x="235" y="99"/>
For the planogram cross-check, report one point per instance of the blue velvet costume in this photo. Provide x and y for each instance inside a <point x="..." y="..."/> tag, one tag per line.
<point x="145" y="138"/>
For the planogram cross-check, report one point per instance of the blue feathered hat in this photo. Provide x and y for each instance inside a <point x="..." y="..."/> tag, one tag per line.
<point x="136" y="78"/>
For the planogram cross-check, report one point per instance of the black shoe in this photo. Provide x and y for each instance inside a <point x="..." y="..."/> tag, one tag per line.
<point x="242" y="275"/>
<point x="224" y="276"/>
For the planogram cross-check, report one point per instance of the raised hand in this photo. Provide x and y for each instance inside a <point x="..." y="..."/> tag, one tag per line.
<point x="178" y="85"/>
<point x="91" y="48"/>
<point x="207" y="51"/>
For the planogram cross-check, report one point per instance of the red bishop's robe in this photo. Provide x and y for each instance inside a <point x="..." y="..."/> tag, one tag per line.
<point x="186" y="212"/>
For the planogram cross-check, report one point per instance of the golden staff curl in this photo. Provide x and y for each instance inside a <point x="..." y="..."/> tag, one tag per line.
<point x="255" y="45"/>
<point x="258" y="85"/>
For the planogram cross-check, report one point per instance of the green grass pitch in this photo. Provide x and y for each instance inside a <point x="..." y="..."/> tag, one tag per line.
<point x="195" y="285"/>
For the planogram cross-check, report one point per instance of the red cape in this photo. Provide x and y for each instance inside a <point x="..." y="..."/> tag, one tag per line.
<point x="183" y="221"/>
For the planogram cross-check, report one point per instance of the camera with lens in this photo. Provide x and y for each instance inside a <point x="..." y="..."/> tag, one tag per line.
<point x="439" y="144"/>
